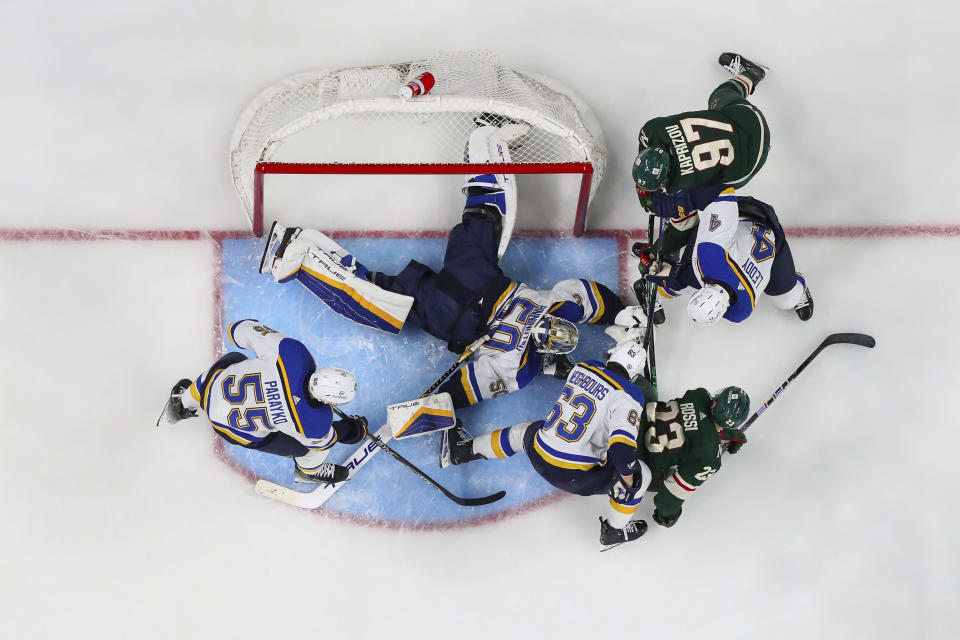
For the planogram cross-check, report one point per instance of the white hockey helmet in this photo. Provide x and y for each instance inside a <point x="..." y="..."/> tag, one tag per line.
<point x="630" y="355"/>
<point x="554" y="335"/>
<point x="333" y="385"/>
<point x="708" y="305"/>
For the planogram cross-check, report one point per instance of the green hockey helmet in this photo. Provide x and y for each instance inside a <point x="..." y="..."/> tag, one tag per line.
<point x="651" y="168"/>
<point x="732" y="407"/>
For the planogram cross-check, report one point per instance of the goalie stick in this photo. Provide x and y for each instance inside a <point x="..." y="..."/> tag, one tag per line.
<point x="318" y="496"/>
<point x="466" y="502"/>
<point x="860" y="339"/>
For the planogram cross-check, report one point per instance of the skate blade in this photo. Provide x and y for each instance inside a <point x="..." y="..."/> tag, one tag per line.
<point x="166" y="416"/>
<point x="270" y="242"/>
<point x="445" y="449"/>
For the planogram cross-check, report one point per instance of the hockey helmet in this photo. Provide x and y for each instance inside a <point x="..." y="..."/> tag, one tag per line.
<point x="708" y="305"/>
<point x="732" y="405"/>
<point x="630" y="355"/>
<point x="554" y="335"/>
<point x="651" y="168"/>
<point x="333" y="385"/>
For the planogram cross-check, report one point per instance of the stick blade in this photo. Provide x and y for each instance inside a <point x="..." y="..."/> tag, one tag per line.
<point x="477" y="502"/>
<point x="860" y="339"/>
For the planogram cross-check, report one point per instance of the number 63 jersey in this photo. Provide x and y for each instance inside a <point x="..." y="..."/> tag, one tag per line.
<point x="595" y="422"/>
<point x="680" y="444"/>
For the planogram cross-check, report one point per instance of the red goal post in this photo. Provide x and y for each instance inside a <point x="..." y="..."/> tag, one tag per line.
<point x="306" y="168"/>
<point x="351" y="121"/>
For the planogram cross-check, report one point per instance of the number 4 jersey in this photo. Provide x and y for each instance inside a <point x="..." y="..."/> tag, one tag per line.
<point x="725" y="145"/>
<point x="681" y="446"/>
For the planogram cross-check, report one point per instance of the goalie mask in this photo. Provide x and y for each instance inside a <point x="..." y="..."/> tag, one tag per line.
<point x="731" y="409"/>
<point x="554" y="335"/>
<point x="333" y="385"/>
<point x="651" y="168"/>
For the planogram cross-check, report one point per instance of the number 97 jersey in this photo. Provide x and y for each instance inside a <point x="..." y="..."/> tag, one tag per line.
<point x="724" y="146"/>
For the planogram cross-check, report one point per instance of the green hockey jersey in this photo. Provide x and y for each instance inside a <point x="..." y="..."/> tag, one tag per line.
<point x="725" y="145"/>
<point x="681" y="446"/>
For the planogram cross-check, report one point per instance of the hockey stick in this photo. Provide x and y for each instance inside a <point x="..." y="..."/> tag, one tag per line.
<point x="650" y="366"/>
<point x="315" y="498"/>
<point x="466" y="502"/>
<point x="463" y="356"/>
<point x="860" y="339"/>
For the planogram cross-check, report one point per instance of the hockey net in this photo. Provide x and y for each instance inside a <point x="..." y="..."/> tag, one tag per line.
<point x="352" y="121"/>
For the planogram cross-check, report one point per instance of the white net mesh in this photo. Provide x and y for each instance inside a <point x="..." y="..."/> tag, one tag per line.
<point x="328" y="107"/>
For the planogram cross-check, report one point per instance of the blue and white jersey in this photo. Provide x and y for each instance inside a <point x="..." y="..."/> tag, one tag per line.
<point x="736" y="251"/>
<point x="248" y="400"/>
<point x="507" y="362"/>
<point x="595" y="421"/>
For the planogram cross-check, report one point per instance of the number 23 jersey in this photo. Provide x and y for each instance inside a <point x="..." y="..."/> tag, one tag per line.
<point x="680" y="443"/>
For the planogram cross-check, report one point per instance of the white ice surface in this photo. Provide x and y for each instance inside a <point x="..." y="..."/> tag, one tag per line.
<point x="837" y="520"/>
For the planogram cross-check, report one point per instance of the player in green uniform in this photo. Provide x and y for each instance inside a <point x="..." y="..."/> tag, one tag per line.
<point x="682" y="442"/>
<point x="721" y="147"/>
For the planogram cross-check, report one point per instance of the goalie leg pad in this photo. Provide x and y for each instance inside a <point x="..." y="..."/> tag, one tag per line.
<point x="332" y="274"/>
<point x="486" y="145"/>
<point x="354" y="298"/>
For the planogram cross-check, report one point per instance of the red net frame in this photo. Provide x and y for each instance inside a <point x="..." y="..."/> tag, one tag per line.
<point x="585" y="169"/>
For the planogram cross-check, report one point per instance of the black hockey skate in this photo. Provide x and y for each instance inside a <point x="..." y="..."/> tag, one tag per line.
<point x="277" y="241"/>
<point x="328" y="473"/>
<point x="456" y="446"/>
<point x="804" y="308"/>
<point x="640" y="288"/>
<point x="737" y="64"/>
<point x="611" y="537"/>
<point x="173" y="410"/>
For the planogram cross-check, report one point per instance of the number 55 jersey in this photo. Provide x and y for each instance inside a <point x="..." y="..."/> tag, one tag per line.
<point x="247" y="399"/>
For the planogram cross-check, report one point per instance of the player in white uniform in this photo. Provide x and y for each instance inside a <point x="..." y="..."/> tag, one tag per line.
<point x="588" y="443"/>
<point x="738" y="252"/>
<point x="530" y="331"/>
<point x="277" y="402"/>
<point x="468" y="298"/>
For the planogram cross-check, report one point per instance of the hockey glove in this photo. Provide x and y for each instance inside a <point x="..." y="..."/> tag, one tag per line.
<point x="663" y="276"/>
<point x="620" y="492"/>
<point x="351" y="430"/>
<point x="632" y="317"/>
<point x="646" y="199"/>
<point x="557" y="365"/>
<point x="647" y="253"/>
<point x="665" y="522"/>
<point x="360" y="424"/>
<point x="734" y="445"/>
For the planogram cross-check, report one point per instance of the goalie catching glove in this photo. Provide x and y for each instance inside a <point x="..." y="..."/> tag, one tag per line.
<point x="630" y="324"/>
